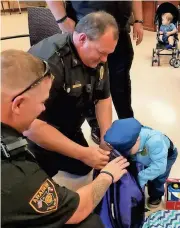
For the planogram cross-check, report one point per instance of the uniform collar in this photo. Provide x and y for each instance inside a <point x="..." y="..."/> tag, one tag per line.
<point x="7" y="130"/>
<point x="75" y="57"/>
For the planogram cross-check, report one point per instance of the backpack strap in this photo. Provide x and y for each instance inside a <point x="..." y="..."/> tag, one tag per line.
<point x="113" y="208"/>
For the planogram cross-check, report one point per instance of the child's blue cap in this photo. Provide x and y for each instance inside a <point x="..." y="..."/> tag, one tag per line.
<point x="123" y="135"/>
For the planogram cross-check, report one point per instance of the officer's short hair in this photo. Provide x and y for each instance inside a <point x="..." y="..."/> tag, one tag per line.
<point x="95" y="24"/>
<point x="19" y="69"/>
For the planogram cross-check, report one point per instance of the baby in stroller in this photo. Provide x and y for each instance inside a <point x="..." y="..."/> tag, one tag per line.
<point x="167" y="19"/>
<point x="167" y="30"/>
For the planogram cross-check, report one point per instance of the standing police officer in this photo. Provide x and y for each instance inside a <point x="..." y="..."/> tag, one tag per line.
<point x="120" y="61"/>
<point x="29" y="197"/>
<point x="81" y="76"/>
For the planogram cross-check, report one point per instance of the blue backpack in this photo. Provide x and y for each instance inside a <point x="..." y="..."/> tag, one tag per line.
<point x="123" y="205"/>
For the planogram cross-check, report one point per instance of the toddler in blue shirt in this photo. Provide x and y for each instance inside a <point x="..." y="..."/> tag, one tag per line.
<point x="149" y="147"/>
<point x="167" y="30"/>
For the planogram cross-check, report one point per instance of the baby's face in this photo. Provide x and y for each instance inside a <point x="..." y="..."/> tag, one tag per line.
<point x="135" y="148"/>
<point x="165" y="21"/>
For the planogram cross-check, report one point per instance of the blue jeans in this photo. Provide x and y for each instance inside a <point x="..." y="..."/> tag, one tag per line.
<point x="156" y="187"/>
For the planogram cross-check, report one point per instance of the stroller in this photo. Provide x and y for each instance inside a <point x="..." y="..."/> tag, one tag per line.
<point x="160" y="46"/>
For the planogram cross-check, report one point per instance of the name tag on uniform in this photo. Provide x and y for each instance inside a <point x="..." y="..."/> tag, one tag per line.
<point x="101" y="73"/>
<point x="76" y="86"/>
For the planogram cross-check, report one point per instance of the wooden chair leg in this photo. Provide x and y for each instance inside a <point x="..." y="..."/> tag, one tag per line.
<point x="9" y="7"/>
<point x="19" y="7"/>
<point x="2" y="7"/>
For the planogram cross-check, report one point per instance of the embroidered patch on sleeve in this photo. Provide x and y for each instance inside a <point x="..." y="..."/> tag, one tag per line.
<point x="45" y="199"/>
<point x="144" y="152"/>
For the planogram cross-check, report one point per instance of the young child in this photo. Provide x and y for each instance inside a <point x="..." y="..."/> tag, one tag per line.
<point x="167" y="30"/>
<point x="147" y="146"/>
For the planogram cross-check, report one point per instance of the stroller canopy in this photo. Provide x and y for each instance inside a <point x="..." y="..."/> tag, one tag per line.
<point x="167" y="8"/>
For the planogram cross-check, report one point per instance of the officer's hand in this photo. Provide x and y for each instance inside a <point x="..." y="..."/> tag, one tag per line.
<point x="138" y="33"/>
<point x="67" y="26"/>
<point x="117" y="167"/>
<point x="96" y="157"/>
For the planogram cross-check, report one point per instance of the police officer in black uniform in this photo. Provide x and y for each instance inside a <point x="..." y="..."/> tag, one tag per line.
<point x="29" y="197"/>
<point x="81" y="77"/>
<point x="119" y="62"/>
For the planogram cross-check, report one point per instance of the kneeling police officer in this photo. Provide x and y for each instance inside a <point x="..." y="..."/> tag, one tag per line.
<point x="29" y="197"/>
<point x="78" y="62"/>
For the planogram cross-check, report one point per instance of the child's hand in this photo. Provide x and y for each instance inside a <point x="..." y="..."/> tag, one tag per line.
<point x="168" y="33"/>
<point x="161" y="32"/>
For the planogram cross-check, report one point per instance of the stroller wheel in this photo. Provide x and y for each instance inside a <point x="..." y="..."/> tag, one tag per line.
<point x="177" y="53"/>
<point x="153" y="57"/>
<point x="176" y="63"/>
<point x="153" y="61"/>
<point x="172" y="60"/>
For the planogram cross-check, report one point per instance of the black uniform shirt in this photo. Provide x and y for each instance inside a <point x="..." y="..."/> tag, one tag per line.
<point x="121" y="10"/>
<point x="69" y="95"/>
<point x="29" y="198"/>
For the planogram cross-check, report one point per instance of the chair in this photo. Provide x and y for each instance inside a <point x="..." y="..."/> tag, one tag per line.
<point x="42" y="24"/>
<point x="9" y="6"/>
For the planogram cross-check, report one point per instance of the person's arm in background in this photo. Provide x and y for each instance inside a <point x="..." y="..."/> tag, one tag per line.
<point x="91" y="194"/>
<point x="52" y="139"/>
<point x="59" y="11"/>
<point x="137" y="27"/>
<point x="157" y="151"/>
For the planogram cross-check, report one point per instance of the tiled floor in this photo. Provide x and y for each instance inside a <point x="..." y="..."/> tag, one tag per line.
<point x="155" y="90"/>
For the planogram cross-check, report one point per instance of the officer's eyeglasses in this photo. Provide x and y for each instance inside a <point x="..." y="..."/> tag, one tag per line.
<point x="47" y="73"/>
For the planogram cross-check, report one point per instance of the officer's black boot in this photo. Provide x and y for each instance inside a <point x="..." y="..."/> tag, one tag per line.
<point x="95" y="131"/>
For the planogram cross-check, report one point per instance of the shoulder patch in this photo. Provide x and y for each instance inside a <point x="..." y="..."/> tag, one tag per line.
<point x="144" y="152"/>
<point x="45" y="199"/>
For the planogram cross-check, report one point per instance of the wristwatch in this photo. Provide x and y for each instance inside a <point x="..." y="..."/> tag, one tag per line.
<point x="62" y="19"/>
<point x="139" y="21"/>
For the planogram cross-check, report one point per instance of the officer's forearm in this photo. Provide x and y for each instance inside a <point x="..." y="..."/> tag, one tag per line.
<point x="57" y="8"/>
<point x="104" y="115"/>
<point x="90" y="196"/>
<point x="51" y="139"/>
<point x="137" y="10"/>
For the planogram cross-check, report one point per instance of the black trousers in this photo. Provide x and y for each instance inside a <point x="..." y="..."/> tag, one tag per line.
<point x="92" y="221"/>
<point x="119" y="64"/>
<point x="52" y="162"/>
